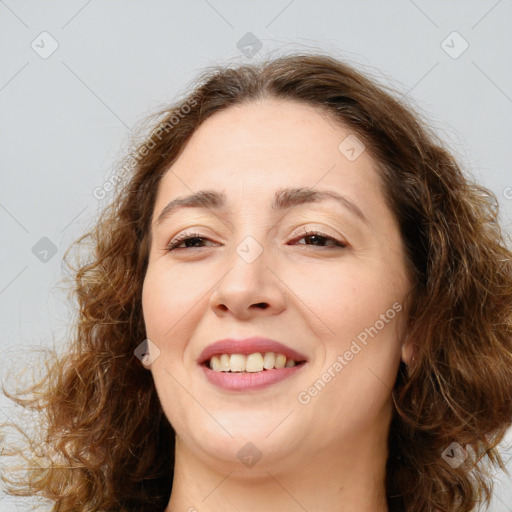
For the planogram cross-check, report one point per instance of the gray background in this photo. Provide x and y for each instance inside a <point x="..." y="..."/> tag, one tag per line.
<point x="67" y="116"/>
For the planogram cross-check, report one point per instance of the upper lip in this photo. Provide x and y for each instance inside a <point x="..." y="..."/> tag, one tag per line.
<point x="249" y="346"/>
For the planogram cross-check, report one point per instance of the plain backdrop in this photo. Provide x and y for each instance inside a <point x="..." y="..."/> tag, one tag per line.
<point x="77" y="76"/>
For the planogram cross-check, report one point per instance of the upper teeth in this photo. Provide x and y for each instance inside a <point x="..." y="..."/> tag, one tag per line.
<point x="251" y="363"/>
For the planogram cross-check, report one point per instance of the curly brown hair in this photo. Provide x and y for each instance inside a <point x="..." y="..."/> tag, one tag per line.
<point x="110" y="445"/>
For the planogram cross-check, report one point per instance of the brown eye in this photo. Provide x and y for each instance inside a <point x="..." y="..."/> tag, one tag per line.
<point x="186" y="238"/>
<point x="317" y="239"/>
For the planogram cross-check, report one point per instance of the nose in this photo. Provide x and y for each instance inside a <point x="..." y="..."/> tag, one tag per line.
<point x="249" y="288"/>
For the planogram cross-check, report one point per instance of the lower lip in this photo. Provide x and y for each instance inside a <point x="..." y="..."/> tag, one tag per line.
<point x="249" y="381"/>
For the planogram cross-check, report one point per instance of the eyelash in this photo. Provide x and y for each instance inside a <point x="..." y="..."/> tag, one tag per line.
<point x="173" y="244"/>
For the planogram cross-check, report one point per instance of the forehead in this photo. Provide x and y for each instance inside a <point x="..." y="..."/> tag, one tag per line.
<point x="266" y="145"/>
<point x="266" y="129"/>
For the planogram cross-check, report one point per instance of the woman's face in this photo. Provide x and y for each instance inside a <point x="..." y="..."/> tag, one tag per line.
<point x="333" y="300"/>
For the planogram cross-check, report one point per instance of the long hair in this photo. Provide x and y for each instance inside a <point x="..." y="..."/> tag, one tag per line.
<point x="109" y="445"/>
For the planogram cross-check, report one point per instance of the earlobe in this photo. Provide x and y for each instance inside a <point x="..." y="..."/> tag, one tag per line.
<point x="408" y="351"/>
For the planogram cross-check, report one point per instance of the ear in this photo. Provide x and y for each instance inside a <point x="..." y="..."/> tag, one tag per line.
<point x="408" y="351"/>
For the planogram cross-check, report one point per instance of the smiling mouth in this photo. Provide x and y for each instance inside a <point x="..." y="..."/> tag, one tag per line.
<point x="251" y="363"/>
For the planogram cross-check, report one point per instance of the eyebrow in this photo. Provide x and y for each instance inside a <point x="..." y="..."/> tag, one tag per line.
<point x="284" y="199"/>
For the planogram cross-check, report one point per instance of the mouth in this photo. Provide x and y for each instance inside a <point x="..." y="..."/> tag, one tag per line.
<point x="251" y="363"/>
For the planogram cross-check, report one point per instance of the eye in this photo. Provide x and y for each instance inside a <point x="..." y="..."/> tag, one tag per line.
<point x="185" y="238"/>
<point x="317" y="238"/>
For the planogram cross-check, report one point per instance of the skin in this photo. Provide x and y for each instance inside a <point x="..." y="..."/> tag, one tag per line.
<point x="330" y="453"/>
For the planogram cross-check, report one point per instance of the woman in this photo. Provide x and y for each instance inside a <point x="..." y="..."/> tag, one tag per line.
<point x="296" y="301"/>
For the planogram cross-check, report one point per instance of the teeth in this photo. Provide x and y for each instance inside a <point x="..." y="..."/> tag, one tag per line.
<point x="269" y="360"/>
<point x="215" y="364"/>
<point x="237" y="363"/>
<point x="224" y="363"/>
<point x="280" y="361"/>
<point x="252" y="363"/>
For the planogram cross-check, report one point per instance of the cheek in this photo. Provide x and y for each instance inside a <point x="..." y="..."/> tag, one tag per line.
<point x="168" y="312"/>
<point x="355" y="310"/>
<point x="156" y="299"/>
<point x="361" y="354"/>
<point x="343" y="299"/>
<point x="167" y="297"/>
